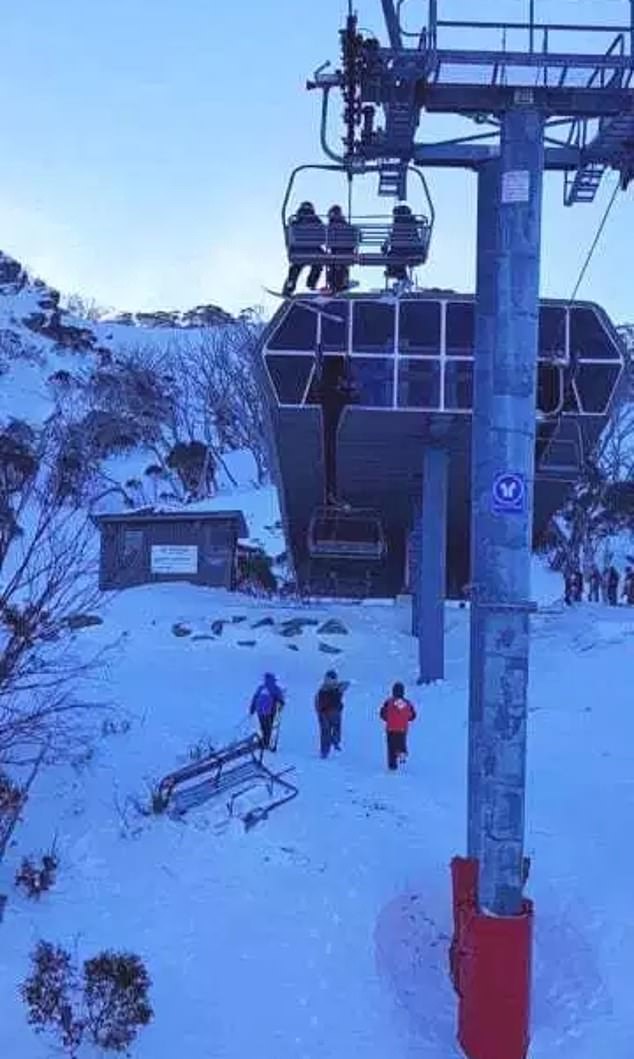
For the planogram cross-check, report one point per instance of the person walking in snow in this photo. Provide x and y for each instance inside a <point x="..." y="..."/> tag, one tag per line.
<point x="594" y="584"/>
<point x="613" y="586"/>
<point x="573" y="585"/>
<point x="329" y="707"/>
<point x="577" y="586"/>
<point x="266" y="702"/>
<point x="397" y="712"/>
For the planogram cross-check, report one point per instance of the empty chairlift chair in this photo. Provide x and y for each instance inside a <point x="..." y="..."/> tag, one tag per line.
<point x="338" y="533"/>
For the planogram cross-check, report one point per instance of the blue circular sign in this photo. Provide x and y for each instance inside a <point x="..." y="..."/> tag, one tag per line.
<point x="509" y="492"/>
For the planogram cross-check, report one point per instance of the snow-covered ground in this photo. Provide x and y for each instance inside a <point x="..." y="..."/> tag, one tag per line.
<point x="323" y="932"/>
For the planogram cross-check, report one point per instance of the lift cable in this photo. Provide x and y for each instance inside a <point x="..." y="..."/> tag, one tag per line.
<point x="555" y="416"/>
<point x="595" y="241"/>
<point x="584" y="269"/>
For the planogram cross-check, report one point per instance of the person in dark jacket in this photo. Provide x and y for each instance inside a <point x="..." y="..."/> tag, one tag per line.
<point x="403" y="242"/>
<point x="397" y="712"/>
<point x="329" y="707"/>
<point x="341" y="237"/>
<point x="577" y="586"/>
<point x="604" y="583"/>
<point x="267" y="702"/>
<point x="594" y="584"/>
<point x="308" y="234"/>
<point x="628" y="586"/>
<point x="613" y="586"/>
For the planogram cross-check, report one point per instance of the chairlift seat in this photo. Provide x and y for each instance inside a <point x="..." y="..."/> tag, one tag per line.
<point x="561" y="459"/>
<point x="216" y="766"/>
<point x="376" y="243"/>
<point x="405" y="240"/>
<point x="342" y="238"/>
<point x="340" y="533"/>
<point x="236" y="768"/>
<point x="305" y="237"/>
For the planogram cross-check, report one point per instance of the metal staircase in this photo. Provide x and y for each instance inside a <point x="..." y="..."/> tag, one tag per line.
<point x="401" y="121"/>
<point x="392" y="180"/>
<point x="614" y="140"/>
<point x="584" y="183"/>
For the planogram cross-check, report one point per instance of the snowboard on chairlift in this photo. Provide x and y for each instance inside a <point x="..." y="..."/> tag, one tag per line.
<point x="323" y="297"/>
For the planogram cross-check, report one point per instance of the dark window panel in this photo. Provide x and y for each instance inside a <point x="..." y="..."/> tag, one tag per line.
<point x="297" y="331"/>
<point x="334" y="336"/>
<point x="588" y="339"/>
<point x="419" y="384"/>
<point x="373" y="381"/>
<point x="290" y="376"/>
<point x="595" y="385"/>
<point x="460" y="329"/>
<point x="419" y="328"/>
<point x="373" y="327"/>
<point x="549" y="388"/>
<point x="459" y="384"/>
<point x="552" y="331"/>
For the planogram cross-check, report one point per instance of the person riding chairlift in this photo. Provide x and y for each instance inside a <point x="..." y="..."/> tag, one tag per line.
<point x="307" y="234"/>
<point x="403" y="241"/>
<point x="341" y="238"/>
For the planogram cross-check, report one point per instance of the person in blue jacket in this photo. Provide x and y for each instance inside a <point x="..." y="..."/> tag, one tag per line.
<point x="266" y="702"/>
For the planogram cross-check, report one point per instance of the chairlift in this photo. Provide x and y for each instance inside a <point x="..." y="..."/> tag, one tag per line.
<point x="346" y="533"/>
<point x="372" y="240"/>
<point x="560" y="456"/>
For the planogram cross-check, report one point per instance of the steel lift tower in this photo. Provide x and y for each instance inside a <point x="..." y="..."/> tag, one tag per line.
<point x="547" y="97"/>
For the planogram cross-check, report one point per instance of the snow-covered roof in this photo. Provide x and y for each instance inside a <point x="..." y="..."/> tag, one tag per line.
<point x="191" y="513"/>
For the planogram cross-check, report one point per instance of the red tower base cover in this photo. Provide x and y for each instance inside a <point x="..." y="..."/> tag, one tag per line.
<point x="491" y="971"/>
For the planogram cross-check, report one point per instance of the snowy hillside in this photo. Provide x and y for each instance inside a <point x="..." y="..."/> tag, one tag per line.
<point x="123" y="403"/>
<point x="323" y="932"/>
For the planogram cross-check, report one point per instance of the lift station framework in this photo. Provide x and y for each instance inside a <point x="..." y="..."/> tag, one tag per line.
<point x="549" y="97"/>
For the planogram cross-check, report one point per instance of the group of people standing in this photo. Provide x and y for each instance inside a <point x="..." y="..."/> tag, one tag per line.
<point x="397" y="712"/>
<point x="603" y="585"/>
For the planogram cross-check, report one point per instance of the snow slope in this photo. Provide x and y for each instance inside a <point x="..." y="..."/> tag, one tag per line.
<point x="323" y="932"/>
<point x="39" y="340"/>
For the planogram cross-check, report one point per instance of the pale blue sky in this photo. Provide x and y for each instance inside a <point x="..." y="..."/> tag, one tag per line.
<point x="146" y="146"/>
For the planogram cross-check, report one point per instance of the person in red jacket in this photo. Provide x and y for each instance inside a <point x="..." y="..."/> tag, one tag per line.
<point x="397" y="712"/>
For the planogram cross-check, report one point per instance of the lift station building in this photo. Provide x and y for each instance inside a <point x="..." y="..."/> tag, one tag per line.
<point x="357" y="386"/>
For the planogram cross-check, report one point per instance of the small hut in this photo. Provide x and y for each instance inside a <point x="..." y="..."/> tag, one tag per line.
<point x="141" y="547"/>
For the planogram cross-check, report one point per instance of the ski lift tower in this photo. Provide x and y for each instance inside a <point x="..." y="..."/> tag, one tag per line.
<point x="547" y="97"/>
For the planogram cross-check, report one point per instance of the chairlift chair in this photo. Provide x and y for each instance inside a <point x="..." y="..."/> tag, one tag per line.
<point x="559" y="457"/>
<point x="369" y="243"/>
<point x="346" y="533"/>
